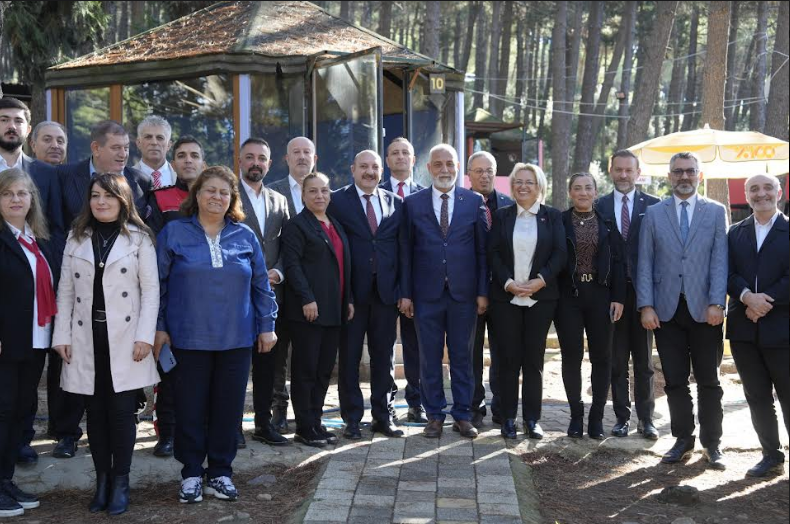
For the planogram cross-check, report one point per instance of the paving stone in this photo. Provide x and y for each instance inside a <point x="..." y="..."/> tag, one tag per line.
<point x="504" y="497"/>
<point x="365" y="515"/>
<point x="459" y="493"/>
<point x="455" y="459"/>
<point x="456" y="514"/>
<point x="333" y="494"/>
<point x="377" y="486"/>
<point x="415" y="509"/>
<point x="379" y="501"/>
<point x="403" y="519"/>
<point x="495" y="483"/>
<point x="497" y="467"/>
<point x="416" y="496"/>
<point x="416" y="475"/>
<point x="499" y="519"/>
<point x="463" y="450"/>
<point x="484" y="450"/>
<point x="445" y="482"/>
<point x="510" y="510"/>
<point x="330" y="483"/>
<point x="417" y="486"/>
<point x="456" y="472"/>
<point x="444" y="502"/>
<point x="419" y="465"/>
<point x="327" y="512"/>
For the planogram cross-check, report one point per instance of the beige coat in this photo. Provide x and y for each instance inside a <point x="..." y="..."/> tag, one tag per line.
<point x="131" y="295"/>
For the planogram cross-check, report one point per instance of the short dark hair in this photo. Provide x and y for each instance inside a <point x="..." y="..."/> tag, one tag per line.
<point x="623" y="153"/>
<point x="582" y="175"/>
<point x="187" y="139"/>
<point x="8" y="102"/>
<point x="101" y="129"/>
<point x="255" y="140"/>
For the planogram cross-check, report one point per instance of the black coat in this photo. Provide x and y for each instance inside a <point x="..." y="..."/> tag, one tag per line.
<point x="18" y="292"/>
<point x="311" y="271"/>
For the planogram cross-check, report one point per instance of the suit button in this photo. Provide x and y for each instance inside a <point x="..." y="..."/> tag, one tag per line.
<point x="123" y="270"/>
<point x="76" y="275"/>
<point x="79" y="322"/>
<point x="124" y="294"/>
<point x="128" y="319"/>
<point x="79" y="300"/>
<point x="444" y="261"/>
<point x="445" y="244"/>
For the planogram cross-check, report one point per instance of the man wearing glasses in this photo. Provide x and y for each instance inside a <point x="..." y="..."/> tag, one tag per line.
<point x="681" y="290"/>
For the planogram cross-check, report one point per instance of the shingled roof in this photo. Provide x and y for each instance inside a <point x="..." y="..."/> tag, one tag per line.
<point x="240" y="37"/>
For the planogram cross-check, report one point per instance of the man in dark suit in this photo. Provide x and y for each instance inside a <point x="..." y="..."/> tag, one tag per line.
<point x="759" y="252"/>
<point x="400" y="160"/>
<point x="481" y="169"/>
<point x="625" y="207"/>
<point x="371" y="218"/>
<point x="109" y="153"/>
<point x="266" y="212"/>
<point x="444" y="285"/>
<point x="681" y="289"/>
<point x="300" y="158"/>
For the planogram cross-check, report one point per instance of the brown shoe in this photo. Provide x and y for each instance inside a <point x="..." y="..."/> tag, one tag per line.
<point x="465" y="428"/>
<point x="433" y="429"/>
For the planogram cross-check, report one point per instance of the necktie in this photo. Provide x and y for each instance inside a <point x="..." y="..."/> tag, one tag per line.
<point x="684" y="221"/>
<point x="371" y="214"/>
<point x="45" y="294"/>
<point x="400" y="189"/>
<point x="157" y="176"/>
<point x="625" y="219"/>
<point x="444" y="221"/>
<point x="488" y="216"/>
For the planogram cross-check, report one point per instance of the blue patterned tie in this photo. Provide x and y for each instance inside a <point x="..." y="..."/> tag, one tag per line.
<point x="684" y="222"/>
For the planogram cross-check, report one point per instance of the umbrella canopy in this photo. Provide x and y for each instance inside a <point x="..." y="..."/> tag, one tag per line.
<point x="724" y="154"/>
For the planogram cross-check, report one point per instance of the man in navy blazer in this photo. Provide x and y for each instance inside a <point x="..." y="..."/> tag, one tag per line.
<point x="444" y="285"/>
<point x="109" y="153"/>
<point x="759" y="255"/>
<point x="623" y="209"/>
<point x="371" y="218"/>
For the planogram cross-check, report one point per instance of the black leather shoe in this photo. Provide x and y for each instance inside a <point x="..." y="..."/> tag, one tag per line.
<point x="387" y="429"/>
<point x="496" y="418"/>
<point x="269" y="435"/>
<point x="23" y="498"/>
<point x="477" y="419"/>
<point x="65" y="448"/>
<point x="715" y="458"/>
<point x="509" y="429"/>
<point x="417" y="415"/>
<point x="325" y="434"/>
<point x="682" y="450"/>
<point x="576" y="427"/>
<point x="310" y="438"/>
<point x="767" y="467"/>
<point x="280" y="419"/>
<point x="164" y="447"/>
<point x="595" y="429"/>
<point x="533" y="430"/>
<point x="102" y="496"/>
<point x="241" y="442"/>
<point x="433" y="429"/>
<point x="26" y="456"/>
<point x="465" y="428"/>
<point x="352" y="431"/>
<point x="621" y="428"/>
<point x="119" y="495"/>
<point x="647" y="430"/>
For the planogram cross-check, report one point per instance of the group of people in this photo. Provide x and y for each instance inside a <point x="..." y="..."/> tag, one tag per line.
<point x="190" y="277"/>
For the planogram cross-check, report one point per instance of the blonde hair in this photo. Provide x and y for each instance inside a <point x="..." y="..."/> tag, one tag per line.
<point x="540" y="177"/>
<point x="35" y="216"/>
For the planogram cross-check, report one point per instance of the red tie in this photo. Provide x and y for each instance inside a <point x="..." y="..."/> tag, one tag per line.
<point x="489" y="218"/>
<point x="157" y="176"/>
<point x="400" y="189"/>
<point x="45" y="295"/>
<point x="371" y="213"/>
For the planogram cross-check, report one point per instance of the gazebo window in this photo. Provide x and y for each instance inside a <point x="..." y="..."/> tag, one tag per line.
<point x="433" y="122"/>
<point x="84" y="107"/>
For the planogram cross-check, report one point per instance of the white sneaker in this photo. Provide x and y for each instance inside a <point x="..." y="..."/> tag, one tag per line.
<point x="191" y="490"/>
<point x="222" y="488"/>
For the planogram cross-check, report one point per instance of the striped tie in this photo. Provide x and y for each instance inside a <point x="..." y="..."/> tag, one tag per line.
<point x="157" y="176"/>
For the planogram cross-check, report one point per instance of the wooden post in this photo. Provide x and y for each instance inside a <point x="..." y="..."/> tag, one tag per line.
<point x="116" y="103"/>
<point x="236" y="122"/>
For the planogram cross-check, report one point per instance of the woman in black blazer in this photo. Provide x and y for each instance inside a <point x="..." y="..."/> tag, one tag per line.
<point x="28" y="279"/>
<point x="592" y="293"/>
<point x="318" y="302"/>
<point x="526" y="252"/>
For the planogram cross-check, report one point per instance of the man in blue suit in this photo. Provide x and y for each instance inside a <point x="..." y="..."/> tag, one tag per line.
<point x="681" y="291"/>
<point x="444" y="285"/>
<point x="371" y="218"/>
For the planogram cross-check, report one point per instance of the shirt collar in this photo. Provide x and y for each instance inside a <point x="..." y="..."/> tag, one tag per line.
<point x="533" y="209"/>
<point x="16" y="232"/>
<point x="18" y="163"/>
<point x="769" y="225"/>
<point x="292" y="182"/>
<point x="362" y="193"/>
<point x="145" y="168"/>
<point x="630" y="195"/>
<point x="250" y="190"/>
<point x="692" y="200"/>
<point x="92" y="169"/>
<point x="438" y="194"/>
<point x="395" y="182"/>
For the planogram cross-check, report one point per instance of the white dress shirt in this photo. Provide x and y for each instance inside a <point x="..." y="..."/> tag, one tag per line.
<point x="437" y="204"/>
<point x="525" y="240"/>
<point x="258" y="204"/>
<point x="374" y="199"/>
<point x="760" y="233"/>
<point x="692" y="200"/>
<point x="168" y="177"/>
<point x="618" y="207"/>
<point x="4" y="165"/>
<point x="406" y="186"/>
<point x="296" y="193"/>
<point x="42" y="335"/>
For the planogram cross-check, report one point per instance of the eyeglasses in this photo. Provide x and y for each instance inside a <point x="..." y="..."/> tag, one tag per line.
<point x="688" y="172"/>
<point x="480" y="172"/>
<point x="520" y="183"/>
<point x="9" y="195"/>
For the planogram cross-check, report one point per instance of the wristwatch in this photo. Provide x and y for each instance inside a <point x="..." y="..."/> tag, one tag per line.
<point x="719" y="306"/>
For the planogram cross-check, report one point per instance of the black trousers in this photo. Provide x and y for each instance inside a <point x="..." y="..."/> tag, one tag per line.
<point x="479" y="398"/>
<point x="112" y="425"/>
<point x="377" y="320"/>
<point x="520" y="334"/>
<point x="683" y="345"/>
<point x="263" y="374"/>
<point x="54" y="400"/>
<point x="762" y="370"/>
<point x="165" y="405"/>
<point x="282" y="362"/>
<point x="18" y="392"/>
<point x="314" y="354"/>
<point x="410" y="349"/>
<point x="587" y="312"/>
<point x="210" y="386"/>
<point x="632" y="341"/>
<point x="65" y="409"/>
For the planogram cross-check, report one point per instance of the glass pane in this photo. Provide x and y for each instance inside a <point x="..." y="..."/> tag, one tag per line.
<point x="393" y="111"/>
<point x="277" y="115"/>
<point x="84" y="108"/>
<point x="201" y="107"/>
<point x="346" y="108"/>
<point x="433" y="122"/>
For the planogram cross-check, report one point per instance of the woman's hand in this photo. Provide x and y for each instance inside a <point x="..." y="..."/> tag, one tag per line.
<point x="160" y="339"/>
<point x="266" y="342"/>
<point x="310" y="311"/>
<point x="141" y="350"/>
<point x="65" y="352"/>
<point x="615" y="311"/>
<point x="533" y="286"/>
<point x="350" y="312"/>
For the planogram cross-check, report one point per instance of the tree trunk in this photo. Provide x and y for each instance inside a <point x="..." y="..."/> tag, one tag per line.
<point x="672" y="120"/>
<point x="609" y="77"/>
<point x="544" y="102"/>
<point x="367" y="15"/>
<point x="560" y="118"/>
<point x="744" y="86"/>
<point x="521" y="39"/>
<point x="385" y="19"/>
<point x="757" y="109"/>
<point x="481" y="49"/>
<point x="732" y="48"/>
<point x="645" y="93"/>
<point x="691" y="80"/>
<point x="345" y="9"/>
<point x="137" y="17"/>
<point x="493" y="56"/>
<point x="572" y="50"/>
<point x="504" y="58"/>
<point x="458" y="41"/>
<point x="124" y="25"/>
<point x="625" y="82"/>
<point x="584" y="136"/>
<point x="535" y="73"/>
<point x="444" y="33"/>
<point x="473" y="10"/>
<point x="776" y="121"/>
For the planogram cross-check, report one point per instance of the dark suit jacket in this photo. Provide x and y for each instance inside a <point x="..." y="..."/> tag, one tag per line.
<point x="428" y="260"/>
<point x="311" y="271"/>
<point x="766" y="272"/>
<point x="413" y="186"/>
<point x="18" y="292"/>
<point x="497" y="201"/>
<point x="75" y="179"/>
<point x="346" y="208"/>
<point x="550" y="252"/>
<point x="283" y="187"/>
<point x="46" y="178"/>
<point x="605" y="207"/>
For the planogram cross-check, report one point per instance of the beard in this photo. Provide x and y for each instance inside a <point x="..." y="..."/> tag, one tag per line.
<point x="441" y="183"/>
<point x="685" y="188"/>
<point x="11" y="145"/>
<point x="254" y="175"/>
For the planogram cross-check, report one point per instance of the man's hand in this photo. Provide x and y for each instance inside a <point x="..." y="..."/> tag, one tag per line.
<point x="350" y="312"/>
<point x="533" y="286"/>
<point x="274" y="277"/>
<point x="760" y="303"/>
<point x="752" y="315"/>
<point x="65" y="353"/>
<point x="615" y="311"/>
<point x="482" y="305"/>
<point x="266" y="342"/>
<point x="406" y="307"/>
<point x="310" y="311"/>
<point x="649" y="318"/>
<point x="715" y="315"/>
<point x="141" y="350"/>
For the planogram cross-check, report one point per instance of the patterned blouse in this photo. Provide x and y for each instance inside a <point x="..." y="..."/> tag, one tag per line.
<point x="585" y="228"/>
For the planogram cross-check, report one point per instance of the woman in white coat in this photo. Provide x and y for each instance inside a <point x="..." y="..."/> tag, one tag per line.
<point x="108" y="301"/>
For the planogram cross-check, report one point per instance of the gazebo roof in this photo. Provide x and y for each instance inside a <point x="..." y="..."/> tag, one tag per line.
<point x="235" y="37"/>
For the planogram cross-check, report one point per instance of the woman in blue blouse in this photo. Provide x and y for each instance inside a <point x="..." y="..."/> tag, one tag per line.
<point x="216" y="304"/>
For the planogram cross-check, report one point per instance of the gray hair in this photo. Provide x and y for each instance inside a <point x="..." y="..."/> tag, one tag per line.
<point x="45" y="123"/>
<point x="443" y="147"/>
<point x="774" y="181"/>
<point x="686" y="155"/>
<point x="154" y="121"/>
<point x="481" y="154"/>
<point x="291" y="141"/>
<point x="540" y="177"/>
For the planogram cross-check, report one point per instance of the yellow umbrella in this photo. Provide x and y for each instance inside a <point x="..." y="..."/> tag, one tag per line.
<point x="724" y="154"/>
